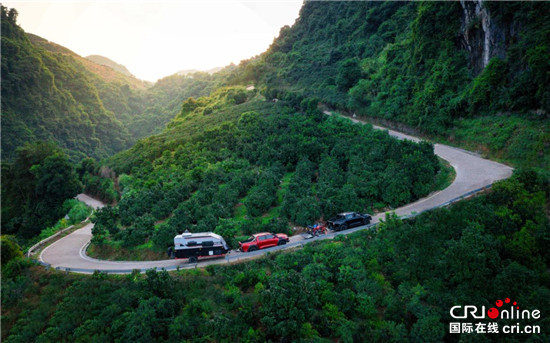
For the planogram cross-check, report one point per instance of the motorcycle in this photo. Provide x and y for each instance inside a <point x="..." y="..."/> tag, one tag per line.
<point x="316" y="229"/>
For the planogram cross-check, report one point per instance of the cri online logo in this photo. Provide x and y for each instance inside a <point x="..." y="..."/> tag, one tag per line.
<point x="494" y="312"/>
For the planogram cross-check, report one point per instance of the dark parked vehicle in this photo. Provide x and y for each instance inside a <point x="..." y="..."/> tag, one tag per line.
<point x="346" y="220"/>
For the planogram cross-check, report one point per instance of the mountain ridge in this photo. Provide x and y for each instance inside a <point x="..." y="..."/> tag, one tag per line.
<point x="110" y="63"/>
<point x="46" y="97"/>
<point x="105" y="71"/>
<point x="239" y="160"/>
<point x="138" y="108"/>
<point x="453" y="71"/>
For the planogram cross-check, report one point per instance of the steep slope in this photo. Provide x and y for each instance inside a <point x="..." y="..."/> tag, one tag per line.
<point x="45" y="97"/>
<point x="446" y="49"/>
<point x="104" y="71"/>
<point x="238" y="164"/>
<point x="121" y="94"/>
<point x="162" y="102"/>
<point x="80" y="89"/>
<point x="428" y="65"/>
<point x="142" y="108"/>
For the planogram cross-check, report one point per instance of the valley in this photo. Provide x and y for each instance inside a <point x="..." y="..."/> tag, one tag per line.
<point x="455" y="170"/>
<point x="473" y="174"/>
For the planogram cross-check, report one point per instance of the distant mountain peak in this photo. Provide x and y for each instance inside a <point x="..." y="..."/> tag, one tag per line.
<point x="101" y="66"/>
<point x="193" y="71"/>
<point x="109" y="63"/>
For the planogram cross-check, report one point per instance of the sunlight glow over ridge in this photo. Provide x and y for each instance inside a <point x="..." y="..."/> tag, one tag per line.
<point x="157" y="39"/>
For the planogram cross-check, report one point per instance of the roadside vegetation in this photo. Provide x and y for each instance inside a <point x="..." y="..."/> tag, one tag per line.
<point x="35" y="187"/>
<point x="238" y="160"/>
<point x="511" y="139"/>
<point x="235" y="164"/>
<point x="405" y="63"/>
<point x="76" y="212"/>
<point x="445" y="176"/>
<point x="393" y="284"/>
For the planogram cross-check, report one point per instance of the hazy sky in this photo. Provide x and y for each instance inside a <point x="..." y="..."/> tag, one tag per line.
<point x="156" y="39"/>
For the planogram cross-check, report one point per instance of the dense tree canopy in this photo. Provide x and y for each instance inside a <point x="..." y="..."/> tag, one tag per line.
<point x="232" y="161"/>
<point x="408" y="62"/>
<point x="46" y="97"/>
<point x="396" y="283"/>
<point x="34" y="188"/>
<point x="233" y="157"/>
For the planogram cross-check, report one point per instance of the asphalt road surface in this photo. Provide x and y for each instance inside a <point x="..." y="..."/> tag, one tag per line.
<point x="472" y="173"/>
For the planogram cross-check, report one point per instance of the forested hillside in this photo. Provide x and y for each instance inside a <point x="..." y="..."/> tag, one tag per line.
<point x="59" y="108"/>
<point x="236" y="160"/>
<point x="141" y="107"/>
<point x="45" y="97"/>
<point x="395" y="284"/>
<point x="53" y="115"/>
<point x="162" y="102"/>
<point x="476" y="77"/>
<point x="434" y="66"/>
<point x="98" y="72"/>
<point x="237" y="164"/>
<point x="89" y="109"/>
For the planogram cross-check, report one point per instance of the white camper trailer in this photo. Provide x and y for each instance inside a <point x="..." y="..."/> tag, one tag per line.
<point x="202" y="244"/>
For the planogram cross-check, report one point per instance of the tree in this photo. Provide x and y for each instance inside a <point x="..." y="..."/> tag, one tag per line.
<point x="35" y="186"/>
<point x="56" y="179"/>
<point x="87" y="165"/>
<point x="10" y="249"/>
<point x="148" y="323"/>
<point x="163" y="237"/>
<point x="106" y="219"/>
<point x="227" y="228"/>
<point x="349" y="72"/>
<point x="285" y="318"/>
<point x="428" y="329"/>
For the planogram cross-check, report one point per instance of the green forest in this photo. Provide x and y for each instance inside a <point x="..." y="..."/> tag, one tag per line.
<point x="55" y="102"/>
<point x="49" y="93"/>
<point x="395" y="284"/>
<point x="241" y="165"/>
<point x="44" y="97"/>
<point x="249" y="149"/>
<point x="405" y="63"/>
<point x="41" y="178"/>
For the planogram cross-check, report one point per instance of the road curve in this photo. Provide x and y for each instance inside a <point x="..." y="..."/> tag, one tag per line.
<point x="88" y="200"/>
<point x="472" y="173"/>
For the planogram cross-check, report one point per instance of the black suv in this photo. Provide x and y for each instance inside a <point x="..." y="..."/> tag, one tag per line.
<point x="344" y="221"/>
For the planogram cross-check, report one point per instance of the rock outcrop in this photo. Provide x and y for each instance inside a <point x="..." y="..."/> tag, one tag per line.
<point x="483" y="36"/>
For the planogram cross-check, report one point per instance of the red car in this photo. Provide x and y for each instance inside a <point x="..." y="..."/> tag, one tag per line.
<point x="263" y="240"/>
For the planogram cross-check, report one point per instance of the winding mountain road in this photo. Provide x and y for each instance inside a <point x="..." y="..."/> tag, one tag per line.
<point x="473" y="173"/>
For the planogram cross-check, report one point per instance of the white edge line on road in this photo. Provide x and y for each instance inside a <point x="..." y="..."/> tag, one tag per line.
<point x="300" y="243"/>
